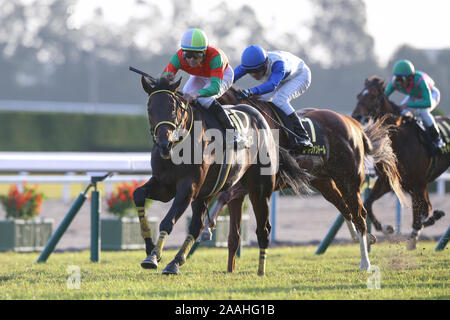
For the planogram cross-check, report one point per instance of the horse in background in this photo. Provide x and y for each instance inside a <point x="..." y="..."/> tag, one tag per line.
<point x="197" y="178"/>
<point x="337" y="173"/>
<point x="417" y="165"/>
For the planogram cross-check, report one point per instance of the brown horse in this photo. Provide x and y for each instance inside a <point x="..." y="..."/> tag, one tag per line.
<point x="338" y="174"/>
<point x="416" y="164"/>
<point x="181" y="173"/>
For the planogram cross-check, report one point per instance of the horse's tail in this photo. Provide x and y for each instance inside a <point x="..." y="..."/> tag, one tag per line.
<point x="378" y="145"/>
<point x="292" y="175"/>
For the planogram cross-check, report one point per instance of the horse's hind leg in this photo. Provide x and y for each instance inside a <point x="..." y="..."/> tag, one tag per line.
<point x="210" y="220"/>
<point x="380" y="188"/>
<point x="260" y="190"/>
<point x="332" y="194"/>
<point x="351" y="194"/>
<point x="235" y="207"/>
<point x="150" y="190"/>
<point x="223" y="198"/>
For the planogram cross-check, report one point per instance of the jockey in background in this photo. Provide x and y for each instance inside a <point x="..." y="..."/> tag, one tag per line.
<point x="285" y="77"/>
<point x="422" y="96"/>
<point x="211" y="75"/>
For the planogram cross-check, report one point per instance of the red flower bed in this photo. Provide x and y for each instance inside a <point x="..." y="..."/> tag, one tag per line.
<point x="120" y="201"/>
<point x="22" y="205"/>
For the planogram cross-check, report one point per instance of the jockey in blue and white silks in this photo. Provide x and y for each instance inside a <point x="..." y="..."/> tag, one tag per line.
<point x="284" y="76"/>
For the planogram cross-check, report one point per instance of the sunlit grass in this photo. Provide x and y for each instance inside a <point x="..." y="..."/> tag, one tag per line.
<point x="292" y="273"/>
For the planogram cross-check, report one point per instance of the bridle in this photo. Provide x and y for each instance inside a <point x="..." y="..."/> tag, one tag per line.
<point x="176" y="126"/>
<point x="373" y="111"/>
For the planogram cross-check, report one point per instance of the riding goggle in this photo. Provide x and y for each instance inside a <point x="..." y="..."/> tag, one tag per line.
<point x="400" y="78"/>
<point x="257" y="70"/>
<point x="192" y="54"/>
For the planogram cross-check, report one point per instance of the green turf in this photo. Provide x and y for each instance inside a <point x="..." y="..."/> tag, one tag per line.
<point x="292" y="273"/>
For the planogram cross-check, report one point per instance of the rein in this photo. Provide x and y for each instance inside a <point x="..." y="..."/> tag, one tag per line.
<point x="179" y="104"/>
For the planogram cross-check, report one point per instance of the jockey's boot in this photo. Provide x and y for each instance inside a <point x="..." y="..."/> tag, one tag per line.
<point x="436" y="140"/>
<point x="303" y="140"/>
<point x="219" y="112"/>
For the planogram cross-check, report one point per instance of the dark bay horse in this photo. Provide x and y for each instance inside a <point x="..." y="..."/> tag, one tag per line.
<point x="416" y="165"/>
<point x="338" y="175"/>
<point x="180" y="130"/>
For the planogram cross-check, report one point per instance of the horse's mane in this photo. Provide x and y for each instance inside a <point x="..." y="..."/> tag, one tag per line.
<point x="376" y="80"/>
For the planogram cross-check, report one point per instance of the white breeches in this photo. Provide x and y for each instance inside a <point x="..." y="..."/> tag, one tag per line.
<point x="289" y="90"/>
<point x="424" y="114"/>
<point x="196" y="83"/>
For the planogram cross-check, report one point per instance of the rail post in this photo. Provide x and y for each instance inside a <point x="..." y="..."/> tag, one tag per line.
<point x="95" y="222"/>
<point x="330" y="235"/>
<point x="54" y="239"/>
<point x="443" y="241"/>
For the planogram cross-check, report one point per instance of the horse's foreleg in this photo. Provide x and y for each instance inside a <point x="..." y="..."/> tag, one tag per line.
<point x="199" y="208"/>
<point x="421" y="208"/>
<point x="235" y="207"/>
<point x="182" y="199"/>
<point x="380" y="188"/>
<point x="356" y="207"/>
<point x="150" y="190"/>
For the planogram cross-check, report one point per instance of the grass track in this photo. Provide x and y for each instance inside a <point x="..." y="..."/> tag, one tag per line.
<point x="292" y="273"/>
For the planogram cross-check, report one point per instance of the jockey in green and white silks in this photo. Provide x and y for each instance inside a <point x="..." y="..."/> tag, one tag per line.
<point x="284" y="76"/>
<point x="422" y="96"/>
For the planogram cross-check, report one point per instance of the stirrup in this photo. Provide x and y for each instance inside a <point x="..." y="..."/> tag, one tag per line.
<point x="438" y="144"/>
<point x="240" y="142"/>
<point x="303" y="141"/>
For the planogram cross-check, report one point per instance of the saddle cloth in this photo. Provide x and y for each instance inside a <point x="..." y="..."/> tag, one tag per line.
<point x="311" y="126"/>
<point x="444" y="128"/>
<point x="443" y="125"/>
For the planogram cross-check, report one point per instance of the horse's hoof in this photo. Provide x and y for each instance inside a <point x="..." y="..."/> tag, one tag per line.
<point x="412" y="244"/>
<point x="371" y="238"/>
<point x="172" y="268"/>
<point x="151" y="262"/>
<point x="387" y="229"/>
<point x="364" y="266"/>
<point x="206" y="235"/>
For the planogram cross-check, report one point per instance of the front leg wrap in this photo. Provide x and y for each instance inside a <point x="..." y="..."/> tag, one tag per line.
<point x="146" y="232"/>
<point x="160" y="244"/>
<point x="184" y="250"/>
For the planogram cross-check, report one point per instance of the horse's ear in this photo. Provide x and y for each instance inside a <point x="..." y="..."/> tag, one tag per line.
<point x="175" y="85"/>
<point x="147" y="84"/>
<point x="366" y="82"/>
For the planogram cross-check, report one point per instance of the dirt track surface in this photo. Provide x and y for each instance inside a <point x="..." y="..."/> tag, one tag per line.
<point x="298" y="221"/>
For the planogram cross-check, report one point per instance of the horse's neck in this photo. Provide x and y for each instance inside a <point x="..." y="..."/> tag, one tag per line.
<point x="390" y="109"/>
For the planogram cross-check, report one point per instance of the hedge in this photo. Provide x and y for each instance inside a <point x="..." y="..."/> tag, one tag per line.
<point x="28" y="131"/>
